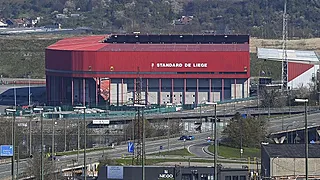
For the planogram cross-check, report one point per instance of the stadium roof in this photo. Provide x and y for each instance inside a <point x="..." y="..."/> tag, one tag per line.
<point x="306" y="57"/>
<point x="117" y="43"/>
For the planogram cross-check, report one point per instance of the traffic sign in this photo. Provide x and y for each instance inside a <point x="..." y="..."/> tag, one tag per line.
<point x="6" y="150"/>
<point x="130" y="147"/>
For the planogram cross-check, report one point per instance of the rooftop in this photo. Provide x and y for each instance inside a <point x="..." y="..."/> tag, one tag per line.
<point x="137" y="42"/>
<point x="178" y="39"/>
<point x="291" y="150"/>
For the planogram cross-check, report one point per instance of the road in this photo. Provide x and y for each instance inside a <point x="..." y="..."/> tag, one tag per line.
<point x="198" y="149"/>
<point x="293" y="122"/>
<point x="117" y="152"/>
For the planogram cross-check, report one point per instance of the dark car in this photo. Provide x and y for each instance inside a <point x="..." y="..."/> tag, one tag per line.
<point x="184" y="137"/>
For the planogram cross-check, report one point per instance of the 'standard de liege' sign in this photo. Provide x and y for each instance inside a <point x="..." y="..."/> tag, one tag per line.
<point x="179" y="65"/>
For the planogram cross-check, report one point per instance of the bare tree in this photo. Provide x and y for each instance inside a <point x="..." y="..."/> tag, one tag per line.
<point x="34" y="168"/>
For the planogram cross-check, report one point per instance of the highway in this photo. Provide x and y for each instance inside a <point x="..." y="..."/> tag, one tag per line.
<point x="294" y="122"/>
<point x="275" y="125"/>
<point x="117" y="152"/>
<point x="196" y="146"/>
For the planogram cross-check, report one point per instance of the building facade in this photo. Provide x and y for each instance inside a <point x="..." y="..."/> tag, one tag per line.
<point x="171" y="172"/>
<point x="178" y="69"/>
<point x="287" y="161"/>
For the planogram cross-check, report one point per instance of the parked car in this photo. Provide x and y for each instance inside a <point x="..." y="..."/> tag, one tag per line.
<point x="184" y="137"/>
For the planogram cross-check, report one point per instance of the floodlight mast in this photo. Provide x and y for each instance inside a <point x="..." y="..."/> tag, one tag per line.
<point x="284" y="49"/>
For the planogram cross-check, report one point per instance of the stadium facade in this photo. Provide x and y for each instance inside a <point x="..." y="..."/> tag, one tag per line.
<point x="178" y="69"/>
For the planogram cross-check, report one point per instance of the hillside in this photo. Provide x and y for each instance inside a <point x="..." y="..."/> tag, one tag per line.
<point x="259" y="18"/>
<point x="23" y="55"/>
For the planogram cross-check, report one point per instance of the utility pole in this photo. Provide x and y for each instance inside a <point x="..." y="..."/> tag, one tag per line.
<point x="65" y="134"/>
<point x="168" y="132"/>
<point x="30" y="136"/>
<point x="284" y="49"/>
<point x="78" y="139"/>
<point x="13" y="136"/>
<point x="215" y="144"/>
<point x="53" y="144"/>
<point x="140" y="105"/>
<point x="85" y="143"/>
<point x="15" y="94"/>
<point x="42" y="143"/>
<point x="29" y="95"/>
<point x="85" y="140"/>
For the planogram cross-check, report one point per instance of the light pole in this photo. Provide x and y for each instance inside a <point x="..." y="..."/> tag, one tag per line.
<point x="305" y="101"/>
<point x="215" y="143"/>
<point x="15" y="94"/>
<point x="30" y="135"/>
<point x="53" y="144"/>
<point x="29" y="95"/>
<point x="214" y="123"/>
<point x="168" y="133"/>
<point x="13" y="111"/>
<point x="85" y="140"/>
<point x="42" y="153"/>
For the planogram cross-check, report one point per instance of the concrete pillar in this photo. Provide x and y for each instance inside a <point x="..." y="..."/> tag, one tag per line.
<point x="72" y="91"/>
<point x="84" y="91"/>
<point x="222" y="89"/>
<point x="184" y="91"/>
<point x="210" y="90"/>
<point x="159" y="92"/>
<point x="122" y="91"/>
<point x="172" y="90"/>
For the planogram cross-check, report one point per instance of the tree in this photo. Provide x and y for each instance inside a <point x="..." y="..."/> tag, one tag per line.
<point x="34" y="167"/>
<point x="250" y="130"/>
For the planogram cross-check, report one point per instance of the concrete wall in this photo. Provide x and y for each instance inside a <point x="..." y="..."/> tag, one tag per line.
<point x="294" y="166"/>
<point x="177" y="97"/>
<point x="153" y="97"/>
<point x="190" y="97"/>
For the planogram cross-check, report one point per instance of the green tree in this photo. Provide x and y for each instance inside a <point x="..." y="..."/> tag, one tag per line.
<point x="250" y="130"/>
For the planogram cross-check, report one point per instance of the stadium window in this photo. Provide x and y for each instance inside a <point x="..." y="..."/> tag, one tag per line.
<point x="235" y="177"/>
<point x="227" y="178"/>
<point x="242" y="177"/>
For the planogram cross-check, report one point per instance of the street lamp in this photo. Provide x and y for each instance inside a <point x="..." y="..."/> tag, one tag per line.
<point x="15" y="94"/>
<point x="305" y="101"/>
<point x="13" y="111"/>
<point x="143" y="140"/>
<point x="52" y="141"/>
<point x="42" y="153"/>
<point x="85" y="139"/>
<point x="214" y="122"/>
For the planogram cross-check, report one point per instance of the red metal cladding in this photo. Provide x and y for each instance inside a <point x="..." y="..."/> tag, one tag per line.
<point x="87" y="57"/>
<point x="135" y="75"/>
<point x="296" y="69"/>
<point x="58" y="60"/>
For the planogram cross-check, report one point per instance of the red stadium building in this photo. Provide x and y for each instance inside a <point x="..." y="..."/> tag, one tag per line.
<point x="180" y="69"/>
